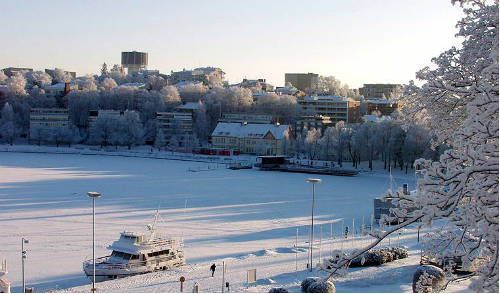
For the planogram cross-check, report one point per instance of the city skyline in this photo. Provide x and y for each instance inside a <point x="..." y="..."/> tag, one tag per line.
<point x="360" y="42"/>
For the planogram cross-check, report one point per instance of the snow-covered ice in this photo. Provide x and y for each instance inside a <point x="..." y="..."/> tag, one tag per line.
<point x="246" y="218"/>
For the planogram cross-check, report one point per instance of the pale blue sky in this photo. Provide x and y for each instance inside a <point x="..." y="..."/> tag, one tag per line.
<point x="372" y="41"/>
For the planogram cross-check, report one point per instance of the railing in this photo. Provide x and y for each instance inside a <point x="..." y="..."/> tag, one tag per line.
<point x="103" y="262"/>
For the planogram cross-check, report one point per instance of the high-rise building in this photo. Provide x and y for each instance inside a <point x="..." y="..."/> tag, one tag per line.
<point x="302" y="81"/>
<point x="134" y="61"/>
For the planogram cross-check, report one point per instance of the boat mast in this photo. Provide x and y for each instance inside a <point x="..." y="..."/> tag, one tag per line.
<point x="152" y="227"/>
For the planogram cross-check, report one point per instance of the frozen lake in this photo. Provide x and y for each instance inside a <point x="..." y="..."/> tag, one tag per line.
<point x="228" y="213"/>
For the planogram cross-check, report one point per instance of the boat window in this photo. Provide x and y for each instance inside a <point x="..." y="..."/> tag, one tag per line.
<point x="150" y="254"/>
<point x="126" y="256"/>
<point x="135" y="257"/>
<point x="117" y="254"/>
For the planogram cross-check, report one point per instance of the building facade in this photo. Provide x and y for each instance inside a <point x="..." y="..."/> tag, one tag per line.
<point x="313" y="122"/>
<point x="134" y="61"/>
<point x="201" y="74"/>
<point x="263" y="85"/>
<point x="11" y="71"/>
<point x="379" y="91"/>
<point x="337" y="108"/>
<point x="262" y="139"/>
<point x="178" y="125"/>
<point x="49" y="117"/>
<point x="52" y="73"/>
<point x="246" y="118"/>
<point x="385" y="107"/>
<point x="302" y="81"/>
<point x="60" y="89"/>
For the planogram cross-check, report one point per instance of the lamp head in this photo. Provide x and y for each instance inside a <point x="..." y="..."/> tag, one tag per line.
<point x="93" y="194"/>
<point x="312" y="180"/>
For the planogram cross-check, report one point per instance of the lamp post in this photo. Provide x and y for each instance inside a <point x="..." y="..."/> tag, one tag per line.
<point x="23" y="257"/>
<point x="311" y="239"/>
<point x="93" y="195"/>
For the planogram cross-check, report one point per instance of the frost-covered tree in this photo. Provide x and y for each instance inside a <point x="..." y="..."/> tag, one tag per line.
<point x="86" y="83"/>
<point x="108" y="84"/>
<point x="173" y="143"/>
<point x="460" y="98"/>
<point x="131" y="129"/>
<point x="38" y="79"/>
<point x="16" y="85"/>
<point x="312" y="143"/>
<point x="170" y="95"/>
<point x="104" y="69"/>
<point x="105" y="130"/>
<point x="331" y="86"/>
<point x="3" y="77"/>
<point x="341" y="140"/>
<point x="60" y="76"/>
<point x="160" y="141"/>
<point x="327" y="143"/>
<point x="7" y="128"/>
<point x="118" y="74"/>
<point x="61" y="135"/>
<point x="38" y="134"/>
<point x="191" y="92"/>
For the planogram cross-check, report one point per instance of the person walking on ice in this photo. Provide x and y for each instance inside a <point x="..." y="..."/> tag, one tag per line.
<point x="212" y="269"/>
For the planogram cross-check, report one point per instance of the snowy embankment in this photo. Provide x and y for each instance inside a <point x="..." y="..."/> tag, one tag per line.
<point x="246" y="218"/>
<point x="140" y="151"/>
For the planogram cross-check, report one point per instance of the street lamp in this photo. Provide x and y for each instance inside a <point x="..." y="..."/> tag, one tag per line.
<point x="93" y="195"/>
<point x="23" y="257"/>
<point x="311" y="239"/>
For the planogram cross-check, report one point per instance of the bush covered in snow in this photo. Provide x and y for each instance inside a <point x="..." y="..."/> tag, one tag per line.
<point x="428" y="278"/>
<point x="317" y="285"/>
<point x="304" y="286"/>
<point x="321" y="287"/>
<point x="371" y="257"/>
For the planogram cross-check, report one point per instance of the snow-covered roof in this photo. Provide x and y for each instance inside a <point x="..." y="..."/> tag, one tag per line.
<point x="59" y="86"/>
<point x="286" y="90"/>
<point x="134" y="85"/>
<point x="242" y="130"/>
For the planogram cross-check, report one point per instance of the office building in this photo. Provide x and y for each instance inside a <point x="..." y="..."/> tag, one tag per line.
<point x="302" y="81"/>
<point x="337" y="108"/>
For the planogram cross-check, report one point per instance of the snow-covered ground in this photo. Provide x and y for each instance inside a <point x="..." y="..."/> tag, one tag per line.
<point x="246" y="218"/>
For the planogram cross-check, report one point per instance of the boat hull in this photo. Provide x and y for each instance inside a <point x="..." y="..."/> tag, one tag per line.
<point x="106" y="271"/>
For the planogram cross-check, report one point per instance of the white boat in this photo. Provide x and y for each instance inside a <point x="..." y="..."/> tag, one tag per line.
<point x="137" y="253"/>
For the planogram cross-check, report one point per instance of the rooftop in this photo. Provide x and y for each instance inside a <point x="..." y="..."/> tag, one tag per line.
<point x="242" y="130"/>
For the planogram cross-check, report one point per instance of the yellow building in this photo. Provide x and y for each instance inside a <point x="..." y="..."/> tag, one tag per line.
<point x="262" y="139"/>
